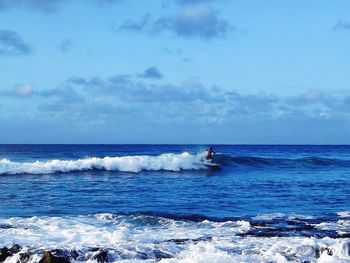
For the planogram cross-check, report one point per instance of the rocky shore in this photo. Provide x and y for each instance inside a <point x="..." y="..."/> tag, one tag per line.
<point x="20" y="255"/>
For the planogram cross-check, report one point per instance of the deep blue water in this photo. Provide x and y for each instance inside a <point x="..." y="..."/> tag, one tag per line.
<point x="253" y="179"/>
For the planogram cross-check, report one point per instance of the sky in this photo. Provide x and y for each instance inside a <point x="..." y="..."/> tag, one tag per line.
<point x="175" y="71"/>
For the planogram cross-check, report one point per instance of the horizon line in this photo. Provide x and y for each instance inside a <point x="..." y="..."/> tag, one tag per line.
<point x="174" y="144"/>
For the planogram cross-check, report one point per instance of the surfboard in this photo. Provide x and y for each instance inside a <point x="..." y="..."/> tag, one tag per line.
<point x="212" y="165"/>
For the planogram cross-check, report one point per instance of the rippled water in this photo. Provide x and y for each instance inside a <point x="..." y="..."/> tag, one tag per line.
<point x="163" y="202"/>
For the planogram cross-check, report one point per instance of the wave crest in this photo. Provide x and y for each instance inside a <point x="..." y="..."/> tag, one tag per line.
<point x="165" y="162"/>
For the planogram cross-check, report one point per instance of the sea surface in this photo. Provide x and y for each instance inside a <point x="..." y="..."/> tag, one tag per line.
<point x="166" y="203"/>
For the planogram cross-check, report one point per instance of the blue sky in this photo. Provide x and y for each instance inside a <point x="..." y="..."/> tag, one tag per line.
<point x="175" y="71"/>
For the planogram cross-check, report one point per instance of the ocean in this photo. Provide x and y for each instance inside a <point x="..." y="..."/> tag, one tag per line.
<point x="165" y="203"/>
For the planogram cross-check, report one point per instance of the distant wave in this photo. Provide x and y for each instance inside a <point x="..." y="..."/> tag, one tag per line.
<point x="163" y="162"/>
<point x="310" y="161"/>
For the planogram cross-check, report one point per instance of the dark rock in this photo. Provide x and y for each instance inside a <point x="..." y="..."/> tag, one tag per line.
<point x="73" y="254"/>
<point x="318" y="252"/>
<point x="5" y="226"/>
<point x="101" y="257"/>
<point x="15" y="249"/>
<point x="49" y="258"/>
<point x="160" y="255"/>
<point x="4" y="253"/>
<point x="24" y="257"/>
<point x="328" y="251"/>
<point x="180" y="241"/>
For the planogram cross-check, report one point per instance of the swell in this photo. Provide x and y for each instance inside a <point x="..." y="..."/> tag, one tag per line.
<point x="305" y="162"/>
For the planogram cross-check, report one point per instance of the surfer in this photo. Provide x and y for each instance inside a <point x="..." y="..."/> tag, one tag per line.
<point x="210" y="153"/>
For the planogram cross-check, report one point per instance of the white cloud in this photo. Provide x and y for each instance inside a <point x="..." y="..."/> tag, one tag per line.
<point x="194" y="20"/>
<point x="23" y="90"/>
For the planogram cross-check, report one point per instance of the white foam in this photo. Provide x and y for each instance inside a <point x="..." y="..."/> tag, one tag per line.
<point x="107" y="230"/>
<point x="341" y="226"/>
<point x="125" y="237"/>
<point x="272" y="216"/>
<point x="269" y="217"/>
<point x="167" y="162"/>
<point x="344" y="214"/>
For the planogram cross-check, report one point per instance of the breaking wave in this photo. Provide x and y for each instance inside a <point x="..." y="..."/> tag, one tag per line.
<point x="164" y="162"/>
<point x="135" y="164"/>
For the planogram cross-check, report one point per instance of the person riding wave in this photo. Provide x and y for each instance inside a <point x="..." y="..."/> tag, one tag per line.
<point x="210" y="154"/>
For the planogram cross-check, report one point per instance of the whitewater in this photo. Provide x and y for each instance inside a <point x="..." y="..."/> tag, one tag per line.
<point x="142" y="238"/>
<point x="167" y="162"/>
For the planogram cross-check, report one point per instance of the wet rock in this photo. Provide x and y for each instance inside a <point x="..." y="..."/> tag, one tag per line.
<point x="181" y="241"/>
<point x="73" y="254"/>
<point x="345" y="235"/>
<point x="24" y="257"/>
<point x="317" y="252"/>
<point x="6" y="226"/>
<point x="4" y="253"/>
<point x="329" y="251"/>
<point x="100" y="256"/>
<point x="15" y="249"/>
<point x="160" y="255"/>
<point x="49" y="258"/>
<point x="320" y="251"/>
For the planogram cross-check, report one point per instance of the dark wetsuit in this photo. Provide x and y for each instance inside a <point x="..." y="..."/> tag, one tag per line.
<point x="210" y="154"/>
